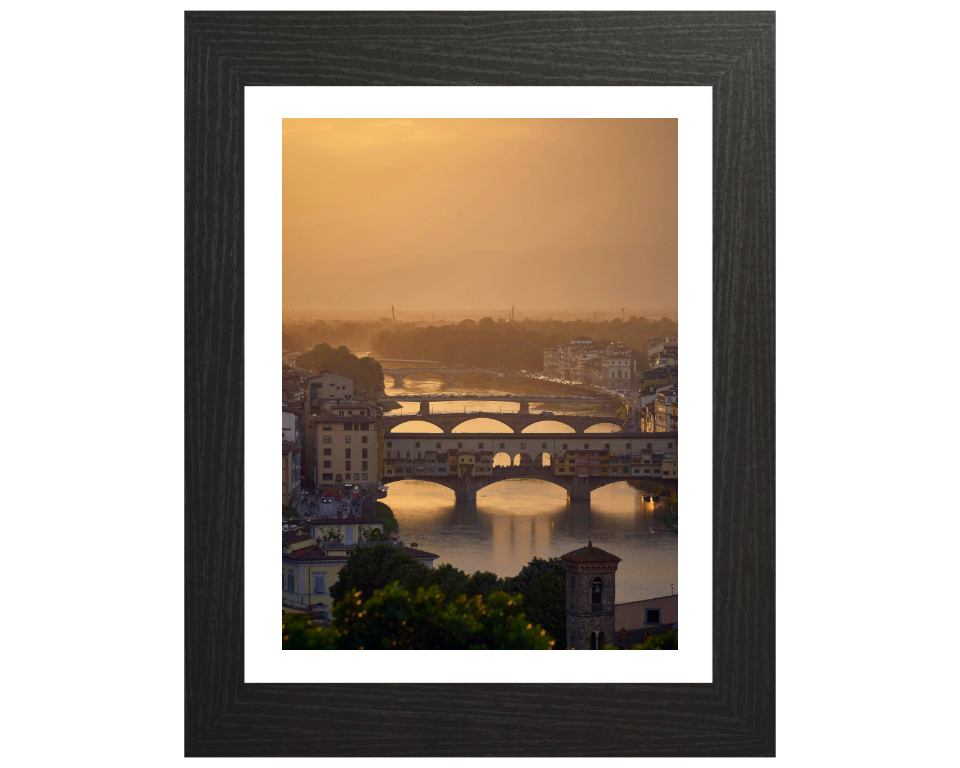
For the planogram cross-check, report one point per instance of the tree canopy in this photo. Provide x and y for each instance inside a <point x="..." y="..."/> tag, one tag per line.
<point x="543" y="586"/>
<point x="365" y="371"/>
<point x="476" y="343"/>
<point x="394" y="617"/>
<point x="371" y="568"/>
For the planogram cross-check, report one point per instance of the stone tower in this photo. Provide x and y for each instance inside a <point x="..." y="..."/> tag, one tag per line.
<point x="591" y="577"/>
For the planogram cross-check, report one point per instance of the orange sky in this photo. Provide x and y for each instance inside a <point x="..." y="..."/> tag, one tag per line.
<point x="477" y="214"/>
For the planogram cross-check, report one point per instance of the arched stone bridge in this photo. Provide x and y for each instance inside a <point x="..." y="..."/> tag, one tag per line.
<point x="530" y="447"/>
<point x="517" y="422"/>
<point x="578" y="489"/>
<point x="447" y="374"/>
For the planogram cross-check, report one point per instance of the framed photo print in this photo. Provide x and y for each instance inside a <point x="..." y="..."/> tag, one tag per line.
<point x="477" y="240"/>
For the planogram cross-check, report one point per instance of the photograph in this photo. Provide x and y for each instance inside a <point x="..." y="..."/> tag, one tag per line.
<point x="480" y="405"/>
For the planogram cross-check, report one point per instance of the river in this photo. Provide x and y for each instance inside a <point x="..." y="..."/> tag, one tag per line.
<point x="516" y="520"/>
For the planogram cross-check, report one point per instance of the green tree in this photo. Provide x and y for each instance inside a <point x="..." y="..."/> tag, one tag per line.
<point x="452" y="582"/>
<point x="484" y="582"/>
<point x="382" y="512"/>
<point x="543" y="586"/>
<point x="290" y="343"/>
<point x="371" y="568"/>
<point x="394" y="618"/>
<point x="373" y="534"/>
<point x="365" y="371"/>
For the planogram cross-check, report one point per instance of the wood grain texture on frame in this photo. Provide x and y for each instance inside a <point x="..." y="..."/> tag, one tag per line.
<point x="733" y="52"/>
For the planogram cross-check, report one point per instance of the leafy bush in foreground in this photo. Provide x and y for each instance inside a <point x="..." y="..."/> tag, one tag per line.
<point x="395" y="618"/>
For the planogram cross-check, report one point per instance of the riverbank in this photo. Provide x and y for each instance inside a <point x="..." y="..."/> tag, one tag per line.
<point x="383" y="512"/>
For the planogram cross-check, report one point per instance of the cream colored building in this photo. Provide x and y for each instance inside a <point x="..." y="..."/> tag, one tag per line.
<point x="345" y="436"/>
<point x="313" y="556"/>
<point x="329" y="386"/>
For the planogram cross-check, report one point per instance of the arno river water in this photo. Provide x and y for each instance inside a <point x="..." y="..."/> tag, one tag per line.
<point x="516" y="520"/>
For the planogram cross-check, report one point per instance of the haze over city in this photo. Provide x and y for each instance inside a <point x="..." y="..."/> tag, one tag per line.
<point x="475" y="214"/>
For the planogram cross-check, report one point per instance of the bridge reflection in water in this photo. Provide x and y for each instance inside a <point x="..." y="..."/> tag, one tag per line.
<point x="515" y="520"/>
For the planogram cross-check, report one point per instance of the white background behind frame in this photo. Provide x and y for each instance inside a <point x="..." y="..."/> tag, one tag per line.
<point x="265" y="108"/>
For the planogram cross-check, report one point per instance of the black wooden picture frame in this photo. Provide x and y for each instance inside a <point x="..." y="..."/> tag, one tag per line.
<point x="732" y="52"/>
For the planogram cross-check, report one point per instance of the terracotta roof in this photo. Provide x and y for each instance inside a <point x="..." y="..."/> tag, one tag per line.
<point x="418" y="553"/>
<point x="294" y="537"/>
<point x="307" y="553"/>
<point x="289" y="447"/>
<point x="590" y="554"/>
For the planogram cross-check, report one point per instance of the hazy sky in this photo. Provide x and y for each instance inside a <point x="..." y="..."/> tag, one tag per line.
<point x="479" y="214"/>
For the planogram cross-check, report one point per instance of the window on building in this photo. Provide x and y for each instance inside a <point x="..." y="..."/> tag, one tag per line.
<point x="328" y="476"/>
<point x="628" y="445"/>
<point x="669" y="445"/>
<point x="459" y="445"/>
<point x="363" y="453"/>
<point x="290" y="582"/>
<point x="327" y="427"/>
<point x="481" y="446"/>
<point x="596" y="592"/>
<point x="346" y="439"/>
<point x="523" y="445"/>
<point x="416" y="445"/>
<point x="543" y="445"/>
<point x="363" y="465"/>
<point x="408" y="454"/>
<point x="438" y="445"/>
<point x="606" y="446"/>
<point x="653" y="616"/>
<point x="327" y="465"/>
<point x="649" y="445"/>
<point x="418" y="455"/>
<point x="326" y="438"/>
<point x="346" y="452"/>
<point x="363" y="439"/>
<point x="586" y="445"/>
<point x="356" y="475"/>
<point x="389" y="444"/>
<point x="502" y="445"/>
<point x="320" y="583"/>
<point x="326" y="452"/>
<point x="347" y="467"/>
<point x="364" y="476"/>
<point x="564" y="446"/>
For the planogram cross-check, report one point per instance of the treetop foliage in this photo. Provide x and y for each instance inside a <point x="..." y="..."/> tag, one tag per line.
<point x="476" y="343"/>
<point x="365" y="371"/>
<point x="394" y="618"/>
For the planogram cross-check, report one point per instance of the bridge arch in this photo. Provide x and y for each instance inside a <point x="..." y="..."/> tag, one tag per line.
<point x="555" y="426"/>
<point x="603" y="427"/>
<point x="415" y="425"/>
<point x="439" y="482"/>
<point x="523" y="459"/>
<point x="502" y="459"/>
<point x="463" y="426"/>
